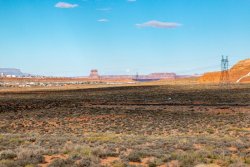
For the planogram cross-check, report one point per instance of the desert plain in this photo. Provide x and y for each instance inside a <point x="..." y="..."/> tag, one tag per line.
<point x="147" y="125"/>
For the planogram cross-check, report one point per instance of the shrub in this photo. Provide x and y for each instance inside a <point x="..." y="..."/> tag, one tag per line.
<point x="7" y="154"/>
<point x="247" y="160"/>
<point x="134" y="157"/>
<point x="7" y="163"/>
<point x="88" y="162"/>
<point x="152" y="164"/>
<point x="118" y="164"/>
<point x="77" y="150"/>
<point x="238" y="165"/>
<point x="85" y="162"/>
<point x="30" y="165"/>
<point x="62" y="163"/>
<point x="29" y="156"/>
<point x="103" y="153"/>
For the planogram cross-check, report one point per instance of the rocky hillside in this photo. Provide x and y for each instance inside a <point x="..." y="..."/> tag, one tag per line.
<point x="240" y="73"/>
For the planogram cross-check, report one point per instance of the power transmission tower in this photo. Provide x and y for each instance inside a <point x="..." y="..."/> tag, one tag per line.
<point x="137" y="76"/>
<point x="224" y="77"/>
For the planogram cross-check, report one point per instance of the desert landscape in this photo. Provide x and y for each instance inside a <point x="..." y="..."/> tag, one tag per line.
<point x="146" y="125"/>
<point x="124" y="83"/>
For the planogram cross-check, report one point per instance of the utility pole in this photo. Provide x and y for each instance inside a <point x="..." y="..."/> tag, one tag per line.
<point x="224" y="76"/>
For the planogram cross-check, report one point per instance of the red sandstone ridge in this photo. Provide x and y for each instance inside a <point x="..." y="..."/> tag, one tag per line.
<point x="239" y="73"/>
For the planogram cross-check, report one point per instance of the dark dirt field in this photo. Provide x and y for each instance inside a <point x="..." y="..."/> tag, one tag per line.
<point x="167" y="126"/>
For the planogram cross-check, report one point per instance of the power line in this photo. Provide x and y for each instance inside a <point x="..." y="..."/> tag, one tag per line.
<point x="198" y="69"/>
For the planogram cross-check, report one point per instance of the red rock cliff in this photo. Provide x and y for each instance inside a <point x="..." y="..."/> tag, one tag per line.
<point x="239" y="72"/>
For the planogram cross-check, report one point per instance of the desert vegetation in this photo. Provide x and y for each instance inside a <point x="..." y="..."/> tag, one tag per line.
<point x="171" y="126"/>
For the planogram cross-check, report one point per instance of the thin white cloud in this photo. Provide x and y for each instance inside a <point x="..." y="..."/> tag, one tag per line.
<point x="158" y="24"/>
<point x="103" y="20"/>
<point x="131" y="0"/>
<point x="65" y="5"/>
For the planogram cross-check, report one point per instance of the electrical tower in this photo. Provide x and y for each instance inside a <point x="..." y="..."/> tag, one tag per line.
<point x="137" y="76"/>
<point x="224" y="77"/>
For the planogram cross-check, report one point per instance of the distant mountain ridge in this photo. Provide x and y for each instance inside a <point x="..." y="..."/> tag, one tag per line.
<point x="94" y="75"/>
<point x="12" y="71"/>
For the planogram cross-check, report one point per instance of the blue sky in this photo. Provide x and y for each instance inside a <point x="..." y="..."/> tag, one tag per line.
<point x="70" y="37"/>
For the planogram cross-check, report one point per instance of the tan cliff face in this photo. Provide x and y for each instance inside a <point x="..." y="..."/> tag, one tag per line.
<point x="238" y="73"/>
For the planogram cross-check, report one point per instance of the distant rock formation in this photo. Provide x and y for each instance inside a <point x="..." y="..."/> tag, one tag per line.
<point x="12" y="71"/>
<point x="163" y="75"/>
<point x="94" y="74"/>
<point x="117" y="76"/>
<point x="239" y="73"/>
<point x="158" y="76"/>
<point x="149" y="77"/>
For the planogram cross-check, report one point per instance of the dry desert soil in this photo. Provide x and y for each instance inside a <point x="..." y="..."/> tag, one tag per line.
<point x="167" y="126"/>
